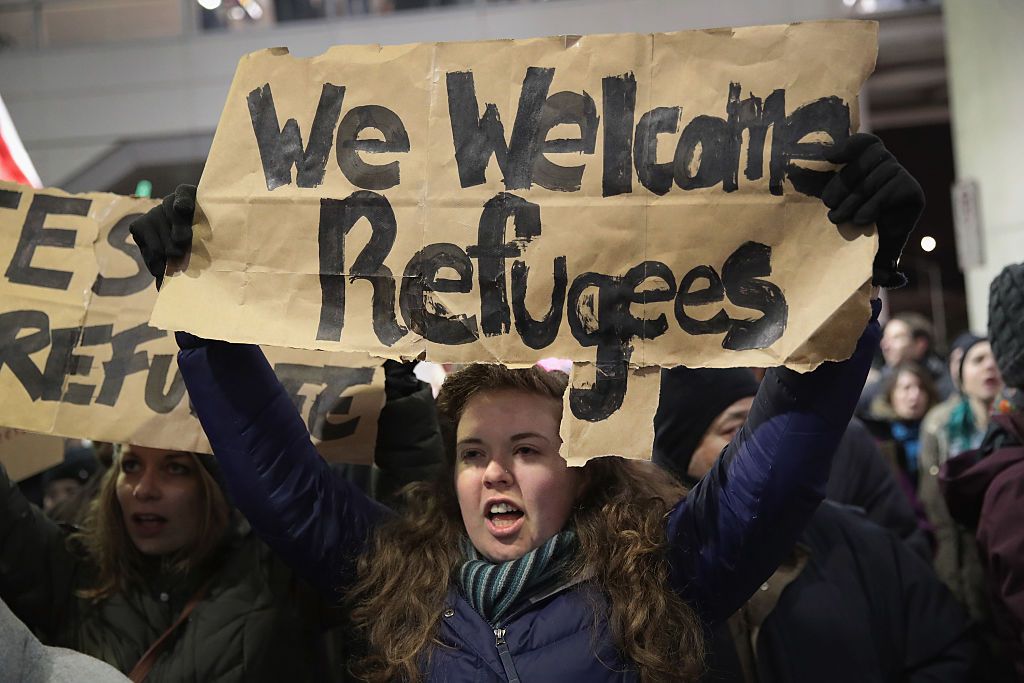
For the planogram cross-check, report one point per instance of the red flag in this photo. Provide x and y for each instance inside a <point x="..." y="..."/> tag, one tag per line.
<point x="14" y="162"/>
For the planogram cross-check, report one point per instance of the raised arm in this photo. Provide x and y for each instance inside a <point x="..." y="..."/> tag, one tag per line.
<point x="314" y="519"/>
<point x="409" y="444"/>
<point x="743" y="517"/>
<point x="738" y="523"/>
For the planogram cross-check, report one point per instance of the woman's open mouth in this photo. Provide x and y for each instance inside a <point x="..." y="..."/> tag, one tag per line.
<point x="148" y="524"/>
<point x="504" y="519"/>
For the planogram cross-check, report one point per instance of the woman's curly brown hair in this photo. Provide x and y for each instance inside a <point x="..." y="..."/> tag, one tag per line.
<point x="404" y="578"/>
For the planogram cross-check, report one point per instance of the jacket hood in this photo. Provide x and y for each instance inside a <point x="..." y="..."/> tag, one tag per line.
<point x="966" y="477"/>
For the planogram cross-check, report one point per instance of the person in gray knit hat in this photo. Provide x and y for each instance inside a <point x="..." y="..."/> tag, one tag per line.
<point x="984" y="488"/>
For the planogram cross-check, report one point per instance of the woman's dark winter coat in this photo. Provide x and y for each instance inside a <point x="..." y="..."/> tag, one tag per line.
<point x="725" y="538"/>
<point x="984" y="490"/>
<point x="248" y="628"/>
<point x="864" y="609"/>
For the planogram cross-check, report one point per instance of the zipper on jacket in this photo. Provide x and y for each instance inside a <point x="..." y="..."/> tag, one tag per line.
<point x="505" y="655"/>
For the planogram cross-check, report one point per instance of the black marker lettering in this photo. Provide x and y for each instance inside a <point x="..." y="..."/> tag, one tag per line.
<point x="80" y="393"/>
<point x="17" y="348"/>
<point x="654" y="176"/>
<point x="396" y="139"/>
<point x="281" y="147"/>
<point x="619" y="98"/>
<point x="652" y="328"/>
<point x="611" y="328"/>
<point x="9" y="199"/>
<point x="158" y="400"/>
<point x="421" y="280"/>
<point x="492" y="250"/>
<point x="571" y="108"/>
<point x="329" y="402"/>
<point x="713" y="293"/>
<point x="711" y="135"/>
<point x="34" y="235"/>
<point x="605" y="396"/>
<point x="829" y="115"/>
<point x="593" y="301"/>
<point x="538" y="333"/>
<point x="125" y="360"/>
<point x="476" y="139"/>
<point x="119" y="239"/>
<point x="740" y="276"/>
<point x="747" y="115"/>
<point x="336" y="220"/>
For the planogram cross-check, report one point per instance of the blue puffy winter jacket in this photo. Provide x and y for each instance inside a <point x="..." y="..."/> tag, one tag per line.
<point x="725" y="538"/>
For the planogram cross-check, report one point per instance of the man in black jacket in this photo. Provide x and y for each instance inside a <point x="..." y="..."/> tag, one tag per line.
<point x="852" y="602"/>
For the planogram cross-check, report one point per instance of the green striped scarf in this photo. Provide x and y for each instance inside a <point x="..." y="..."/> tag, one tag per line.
<point x="493" y="588"/>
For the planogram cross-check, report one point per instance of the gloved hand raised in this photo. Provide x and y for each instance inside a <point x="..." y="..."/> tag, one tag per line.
<point x="165" y="231"/>
<point x="399" y="380"/>
<point x="873" y="187"/>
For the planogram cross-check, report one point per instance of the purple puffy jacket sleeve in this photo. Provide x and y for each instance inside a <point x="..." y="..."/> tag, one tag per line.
<point x="315" y="520"/>
<point x="740" y="521"/>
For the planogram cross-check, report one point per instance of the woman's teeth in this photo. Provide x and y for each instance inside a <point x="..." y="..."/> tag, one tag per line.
<point x="150" y="518"/>
<point x="502" y="515"/>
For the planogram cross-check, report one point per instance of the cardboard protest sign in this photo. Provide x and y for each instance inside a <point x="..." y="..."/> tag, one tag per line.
<point x="78" y="357"/>
<point x="23" y="453"/>
<point x="623" y="201"/>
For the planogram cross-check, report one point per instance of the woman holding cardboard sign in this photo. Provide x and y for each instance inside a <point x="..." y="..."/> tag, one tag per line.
<point x="513" y="566"/>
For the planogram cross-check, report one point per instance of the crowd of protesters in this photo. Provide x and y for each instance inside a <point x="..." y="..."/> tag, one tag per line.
<point x="951" y="430"/>
<point x="790" y="527"/>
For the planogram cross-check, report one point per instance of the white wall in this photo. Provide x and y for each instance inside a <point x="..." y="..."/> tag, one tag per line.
<point x="985" y="50"/>
<point x="71" y="105"/>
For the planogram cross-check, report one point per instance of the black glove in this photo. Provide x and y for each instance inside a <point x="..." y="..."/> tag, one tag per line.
<point x="399" y="380"/>
<point x="873" y="187"/>
<point x="165" y="231"/>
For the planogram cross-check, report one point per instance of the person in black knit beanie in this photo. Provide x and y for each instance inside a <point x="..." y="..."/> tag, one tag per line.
<point x="1006" y="324"/>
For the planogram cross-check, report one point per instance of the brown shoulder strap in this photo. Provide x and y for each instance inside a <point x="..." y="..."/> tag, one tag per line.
<point x="145" y="664"/>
